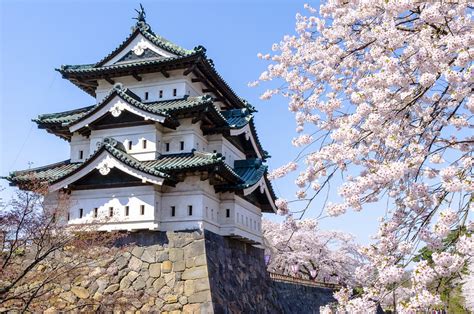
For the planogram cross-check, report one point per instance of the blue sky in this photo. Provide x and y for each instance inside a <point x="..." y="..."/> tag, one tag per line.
<point x="38" y="36"/>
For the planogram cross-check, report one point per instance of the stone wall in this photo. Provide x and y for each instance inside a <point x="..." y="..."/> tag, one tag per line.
<point x="185" y="272"/>
<point x="240" y="283"/>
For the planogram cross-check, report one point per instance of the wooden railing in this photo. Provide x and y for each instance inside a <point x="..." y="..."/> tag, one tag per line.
<point x="305" y="282"/>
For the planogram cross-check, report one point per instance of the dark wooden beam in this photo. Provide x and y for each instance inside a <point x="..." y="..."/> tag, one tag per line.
<point x="165" y="74"/>
<point x="111" y="81"/>
<point x="209" y="90"/>
<point x="198" y="80"/>
<point x="189" y="70"/>
<point x="137" y="77"/>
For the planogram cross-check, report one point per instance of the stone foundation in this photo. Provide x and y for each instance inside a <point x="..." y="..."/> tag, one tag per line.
<point x="188" y="272"/>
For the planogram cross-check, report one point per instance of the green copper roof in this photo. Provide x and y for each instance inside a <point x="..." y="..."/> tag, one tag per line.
<point x="165" y="107"/>
<point x="145" y="30"/>
<point x="49" y="173"/>
<point x="237" y="118"/>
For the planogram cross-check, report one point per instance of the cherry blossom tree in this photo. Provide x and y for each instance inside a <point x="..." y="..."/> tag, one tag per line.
<point x="300" y="248"/>
<point x="40" y="253"/>
<point x="382" y="96"/>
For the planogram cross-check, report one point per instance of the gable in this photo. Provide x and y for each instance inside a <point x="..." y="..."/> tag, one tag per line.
<point x="139" y="48"/>
<point x="126" y="118"/>
<point x="115" y="178"/>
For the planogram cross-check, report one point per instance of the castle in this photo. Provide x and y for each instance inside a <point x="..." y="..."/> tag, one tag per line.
<point x="168" y="146"/>
<point x="171" y="153"/>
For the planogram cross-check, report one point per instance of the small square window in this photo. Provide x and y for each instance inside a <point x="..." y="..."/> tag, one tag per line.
<point x="127" y="210"/>
<point x="96" y="212"/>
<point x="146" y="95"/>
<point x="175" y="92"/>
<point x="190" y="210"/>
<point x="142" y="209"/>
<point x="68" y="216"/>
<point x="160" y="94"/>
<point x="81" y="154"/>
<point x="227" y="212"/>
<point x="144" y="144"/>
<point x="173" y="211"/>
<point x="181" y="145"/>
<point x="130" y="145"/>
<point x="167" y="147"/>
<point x="111" y="211"/>
<point x="81" y="212"/>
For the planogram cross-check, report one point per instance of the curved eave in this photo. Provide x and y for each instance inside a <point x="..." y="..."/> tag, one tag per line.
<point x="85" y="77"/>
<point x="109" y="156"/>
<point x="130" y="104"/>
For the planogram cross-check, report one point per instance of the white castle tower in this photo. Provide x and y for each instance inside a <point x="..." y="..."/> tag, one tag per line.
<point x="167" y="146"/>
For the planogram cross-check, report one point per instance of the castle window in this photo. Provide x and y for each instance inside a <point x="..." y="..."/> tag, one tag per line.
<point x="160" y="94"/>
<point x="173" y="211"/>
<point x="146" y="95"/>
<point x="144" y="144"/>
<point x="181" y="145"/>
<point x="190" y="210"/>
<point x="167" y="147"/>
<point x="142" y="209"/>
<point x="96" y="212"/>
<point x="227" y="212"/>
<point x="129" y="145"/>
<point x="127" y="210"/>
<point x="68" y="216"/>
<point x="81" y="154"/>
<point x="175" y="92"/>
<point x="111" y="211"/>
<point x="81" y="212"/>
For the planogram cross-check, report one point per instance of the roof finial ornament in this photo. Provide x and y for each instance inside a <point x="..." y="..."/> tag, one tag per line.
<point x="141" y="14"/>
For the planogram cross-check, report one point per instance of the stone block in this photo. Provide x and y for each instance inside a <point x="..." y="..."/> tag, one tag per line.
<point x="125" y="283"/>
<point x="158" y="284"/>
<point x="170" y="279"/>
<point x="161" y="256"/>
<point x="199" y="297"/>
<point x="137" y="251"/>
<point x="192" y="309"/>
<point x="179" y="265"/>
<point x="80" y="292"/>
<point x="183" y="300"/>
<point x="68" y="296"/>
<point x="200" y="260"/>
<point x="201" y="284"/>
<point x="155" y="270"/>
<point x="189" y="262"/>
<point x="112" y="288"/>
<point x="139" y="284"/>
<point x="188" y="287"/>
<point x="194" y="249"/>
<point x="132" y="275"/>
<point x="195" y="273"/>
<point x="135" y="263"/>
<point x="148" y="255"/>
<point x="171" y="299"/>
<point x="176" y="254"/>
<point x="166" y="267"/>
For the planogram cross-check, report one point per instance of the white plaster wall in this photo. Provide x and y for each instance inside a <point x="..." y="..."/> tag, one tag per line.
<point x="79" y="143"/>
<point x="152" y="83"/>
<point x="221" y="145"/>
<point x="135" y="134"/>
<point x="187" y="132"/>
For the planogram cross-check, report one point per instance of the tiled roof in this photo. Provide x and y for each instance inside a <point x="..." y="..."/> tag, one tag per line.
<point x="91" y="68"/>
<point x="145" y="30"/>
<point x="237" y="118"/>
<point x="49" y="173"/>
<point x="250" y="170"/>
<point x="165" y="107"/>
<point x="63" y="117"/>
